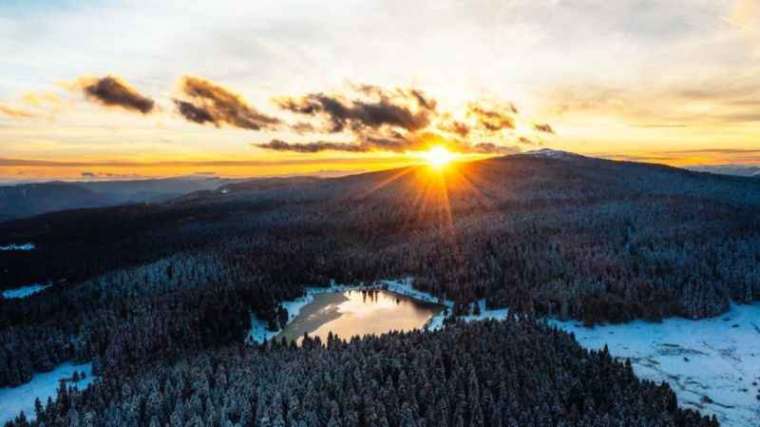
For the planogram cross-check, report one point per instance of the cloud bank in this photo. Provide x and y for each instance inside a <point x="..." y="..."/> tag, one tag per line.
<point x="396" y="120"/>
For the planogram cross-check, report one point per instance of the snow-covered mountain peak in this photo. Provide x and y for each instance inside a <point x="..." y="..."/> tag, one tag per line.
<point x="552" y="154"/>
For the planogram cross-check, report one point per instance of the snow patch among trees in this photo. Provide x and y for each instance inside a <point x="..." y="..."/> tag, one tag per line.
<point x="712" y="364"/>
<point x="13" y="400"/>
<point x="24" y="291"/>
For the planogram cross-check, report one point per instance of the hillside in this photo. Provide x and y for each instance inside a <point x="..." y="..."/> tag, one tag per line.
<point x="24" y="200"/>
<point x="574" y="237"/>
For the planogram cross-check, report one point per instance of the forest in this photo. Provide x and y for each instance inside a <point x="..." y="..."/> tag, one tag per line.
<point x="139" y="287"/>
<point x="512" y="373"/>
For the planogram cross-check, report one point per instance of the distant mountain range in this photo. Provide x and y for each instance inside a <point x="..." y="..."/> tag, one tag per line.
<point x="739" y="170"/>
<point x="23" y="200"/>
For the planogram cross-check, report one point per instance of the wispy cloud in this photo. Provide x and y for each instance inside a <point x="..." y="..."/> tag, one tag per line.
<point x="15" y="113"/>
<point x="210" y="102"/>
<point x="544" y="127"/>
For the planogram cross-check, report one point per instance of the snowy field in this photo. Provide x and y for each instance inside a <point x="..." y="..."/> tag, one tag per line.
<point x="712" y="364"/>
<point x="24" y="291"/>
<point x="18" y="247"/>
<point x="13" y="400"/>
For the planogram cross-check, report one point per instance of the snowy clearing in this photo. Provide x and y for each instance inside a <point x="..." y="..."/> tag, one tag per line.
<point x="13" y="400"/>
<point x="18" y="247"/>
<point x="712" y="364"/>
<point x="24" y="291"/>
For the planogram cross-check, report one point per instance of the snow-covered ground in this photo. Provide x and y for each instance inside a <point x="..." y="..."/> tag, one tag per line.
<point x="13" y="400"/>
<point x="17" y="247"/>
<point x="712" y="364"/>
<point x="24" y="291"/>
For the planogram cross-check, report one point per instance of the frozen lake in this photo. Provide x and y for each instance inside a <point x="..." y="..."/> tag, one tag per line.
<point x="358" y="312"/>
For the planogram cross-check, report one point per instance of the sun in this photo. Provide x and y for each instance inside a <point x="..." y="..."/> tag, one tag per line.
<point x="438" y="156"/>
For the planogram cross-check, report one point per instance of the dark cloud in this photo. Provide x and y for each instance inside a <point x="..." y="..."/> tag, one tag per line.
<point x="527" y="141"/>
<point x="414" y="142"/>
<point x="114" y="92"/>
<point x="491" y="148"/>
<point x="303" y="127"/>
<point x="209" y="102"/>
<point x="312" y="147"/>
<point x="193" y="113"/>
<point x="451" y="125"/>
<point x="544" y="127"/>
<point x="372" y="107"/>
<point x="493" y="118"/>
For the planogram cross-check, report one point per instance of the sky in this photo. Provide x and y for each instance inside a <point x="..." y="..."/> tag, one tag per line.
<point x="142" y="88"/>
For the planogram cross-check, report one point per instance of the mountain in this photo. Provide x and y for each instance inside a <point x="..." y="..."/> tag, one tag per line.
<point x="18" y="201"/>
<point x="159" y="296"/>
<point x="614" y="240"/>
<point x="739" y="170"/>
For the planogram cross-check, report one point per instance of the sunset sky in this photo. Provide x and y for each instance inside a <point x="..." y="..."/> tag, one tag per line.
<point x="130" y="89"/>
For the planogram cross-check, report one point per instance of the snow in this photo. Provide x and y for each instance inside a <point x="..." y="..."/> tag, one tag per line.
<point x="13" y="400"/>
<point x="18" y="247"/>
<point x="24" y="291"/>
<point x="551" y="154"/>
<point x="486" y="314"/>
<point x="713" y="364"/>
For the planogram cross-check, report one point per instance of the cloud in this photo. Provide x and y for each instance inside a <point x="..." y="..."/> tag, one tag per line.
<point x="193" y="113"/>
<point x="544" y="127"/>
<point x="115" y="92"/>
<point x="312" y="147"/>
<point x="493" y="118"/>
<point x="527" y="141"/>
<point x="14" y="113"/>
<point x="41" y="99"/>
<point x="451" y="125"/>
<point x="491" y="148"/>
<point x="395" y="120"/>
<point x="399" y="144"/>
<point x="209" y="102"/>
<point x="370" y="107"/>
